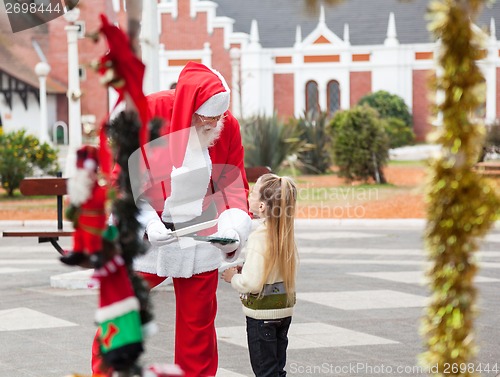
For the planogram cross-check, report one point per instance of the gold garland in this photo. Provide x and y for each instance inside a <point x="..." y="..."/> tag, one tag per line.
<point x="461" y="204"/>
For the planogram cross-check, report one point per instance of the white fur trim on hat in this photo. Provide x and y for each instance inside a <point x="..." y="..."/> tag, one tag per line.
<point x="215" y="105"/>
<point x="218" y="104"/>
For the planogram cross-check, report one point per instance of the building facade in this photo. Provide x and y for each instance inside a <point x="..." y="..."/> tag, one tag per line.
<point x="275" y="56"/>
<point x="319" y="71"/>
<point x="20" y="52"/>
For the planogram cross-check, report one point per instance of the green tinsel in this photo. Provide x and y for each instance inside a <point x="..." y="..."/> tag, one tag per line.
<point x="461" y="204"/>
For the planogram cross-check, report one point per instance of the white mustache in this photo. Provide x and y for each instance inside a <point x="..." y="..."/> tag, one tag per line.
<point x="209" y="135"/>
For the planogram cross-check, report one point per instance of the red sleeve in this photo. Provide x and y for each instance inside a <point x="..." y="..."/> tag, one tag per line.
<point x="160" y="106"/>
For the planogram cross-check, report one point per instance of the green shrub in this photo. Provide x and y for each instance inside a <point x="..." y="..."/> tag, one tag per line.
<point x="22" y="155"/>
<point x="493" y="135"/>
<point x="360" y="144"/>
<point x="316" y="159"/>
<point x="491" y="144"/>
<point x="398" y="132"/>
<point x="390" y="107"/>
<point x="268" y="141"/>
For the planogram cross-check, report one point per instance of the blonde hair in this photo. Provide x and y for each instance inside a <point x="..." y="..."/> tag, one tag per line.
<point x="280" y="196"/>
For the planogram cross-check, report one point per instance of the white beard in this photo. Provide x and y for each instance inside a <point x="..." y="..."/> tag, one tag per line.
<point x="80" y="187"/>
<point x="208" y="135"/>
<point x="187" y="189"/>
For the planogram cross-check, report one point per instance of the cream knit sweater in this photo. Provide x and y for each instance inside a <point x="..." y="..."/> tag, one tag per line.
<point x="251" y="275"/>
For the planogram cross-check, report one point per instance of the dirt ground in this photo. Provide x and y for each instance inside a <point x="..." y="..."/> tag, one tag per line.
<point x="325" y="196"/>
<point x="403" y="197"/>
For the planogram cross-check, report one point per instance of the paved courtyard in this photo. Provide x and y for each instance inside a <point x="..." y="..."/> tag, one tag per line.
<point x="361" y="295"/>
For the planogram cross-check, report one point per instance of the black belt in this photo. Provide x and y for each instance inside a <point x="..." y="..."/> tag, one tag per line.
<point x="209" y="214"/>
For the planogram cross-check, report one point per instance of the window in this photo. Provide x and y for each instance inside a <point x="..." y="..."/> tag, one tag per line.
<point x="312" y="99"/>
<point x="333" y="96"/>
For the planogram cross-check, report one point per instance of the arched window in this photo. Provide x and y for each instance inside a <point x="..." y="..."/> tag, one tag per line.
<point x="312" y="98"/>
<point x="60" y="133"/>
<point x="333" y="96"/>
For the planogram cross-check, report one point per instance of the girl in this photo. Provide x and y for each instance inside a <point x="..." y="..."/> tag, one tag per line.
<point x="267" y="281"/>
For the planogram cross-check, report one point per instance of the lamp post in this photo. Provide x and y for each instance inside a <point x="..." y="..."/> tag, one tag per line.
<point x="42" y="70"/>
<point x="74" y="93"/>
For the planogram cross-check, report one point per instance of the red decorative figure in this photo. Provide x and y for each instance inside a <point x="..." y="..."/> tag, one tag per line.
<point x="87" y="210"/>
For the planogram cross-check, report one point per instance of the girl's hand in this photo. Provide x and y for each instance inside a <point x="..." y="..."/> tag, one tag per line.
<point x="228" y="274"/>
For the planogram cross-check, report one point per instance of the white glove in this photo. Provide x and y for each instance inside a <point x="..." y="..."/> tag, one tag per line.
<point x="158" y="235"/>
<point x="229" y="248"/>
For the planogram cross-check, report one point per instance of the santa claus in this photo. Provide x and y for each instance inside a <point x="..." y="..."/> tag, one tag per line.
<point x="87" y="210"/>
<point x="196" y="174"/>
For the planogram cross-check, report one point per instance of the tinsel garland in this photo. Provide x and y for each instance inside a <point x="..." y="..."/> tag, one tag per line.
<point x="124" y="134"/>
<point x="461" y="203"/>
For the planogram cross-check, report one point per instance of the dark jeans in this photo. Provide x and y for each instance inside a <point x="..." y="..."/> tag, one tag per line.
<point x="267" y="344"/>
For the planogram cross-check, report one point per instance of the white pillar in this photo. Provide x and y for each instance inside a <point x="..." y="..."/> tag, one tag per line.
<point x="235" y="55"/>
<point x="74" y="93"/>
<point x="42" y="70"/>
<point x="149" y="46"/>
<point x="490" y="75"/>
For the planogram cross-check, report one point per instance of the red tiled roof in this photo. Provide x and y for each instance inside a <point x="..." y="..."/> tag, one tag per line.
<point x="18" y="58"/>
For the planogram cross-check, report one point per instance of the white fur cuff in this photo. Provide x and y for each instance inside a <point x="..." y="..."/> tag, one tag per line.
<point x="238" y="220"/>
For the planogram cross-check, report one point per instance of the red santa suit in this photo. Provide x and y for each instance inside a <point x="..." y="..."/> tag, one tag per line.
<point x="190" y="183"/>
<point x="88" y="201"/>
<point x="87" y="237"/>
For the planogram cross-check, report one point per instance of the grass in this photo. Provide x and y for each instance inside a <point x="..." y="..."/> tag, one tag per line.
<point x="419" y="163"/>
<point x="11" y="206"/>
<point x="18" y="196"/>
<point x="31" y="201"/>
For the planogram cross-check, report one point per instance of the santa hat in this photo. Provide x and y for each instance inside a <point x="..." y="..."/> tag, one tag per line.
<point x="199" y="90"/>
<point x="87" y="158"/>
<point x="218" y="104"/>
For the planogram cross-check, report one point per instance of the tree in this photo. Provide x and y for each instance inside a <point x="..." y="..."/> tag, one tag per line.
<point x="22" y="155"/>
<point x="398" y="120"/>
<point x="491" y="145"/>
<point x="388" y="106"/>
<point x="360" y="145"/>
<point x="398" y="132"/>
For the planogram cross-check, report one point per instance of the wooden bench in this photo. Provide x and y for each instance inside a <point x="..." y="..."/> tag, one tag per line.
<point x="253" y="173"/>
<point x="44" y="187"/>
<point x="488" y="168"/>
<point x="57" y="187"/>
